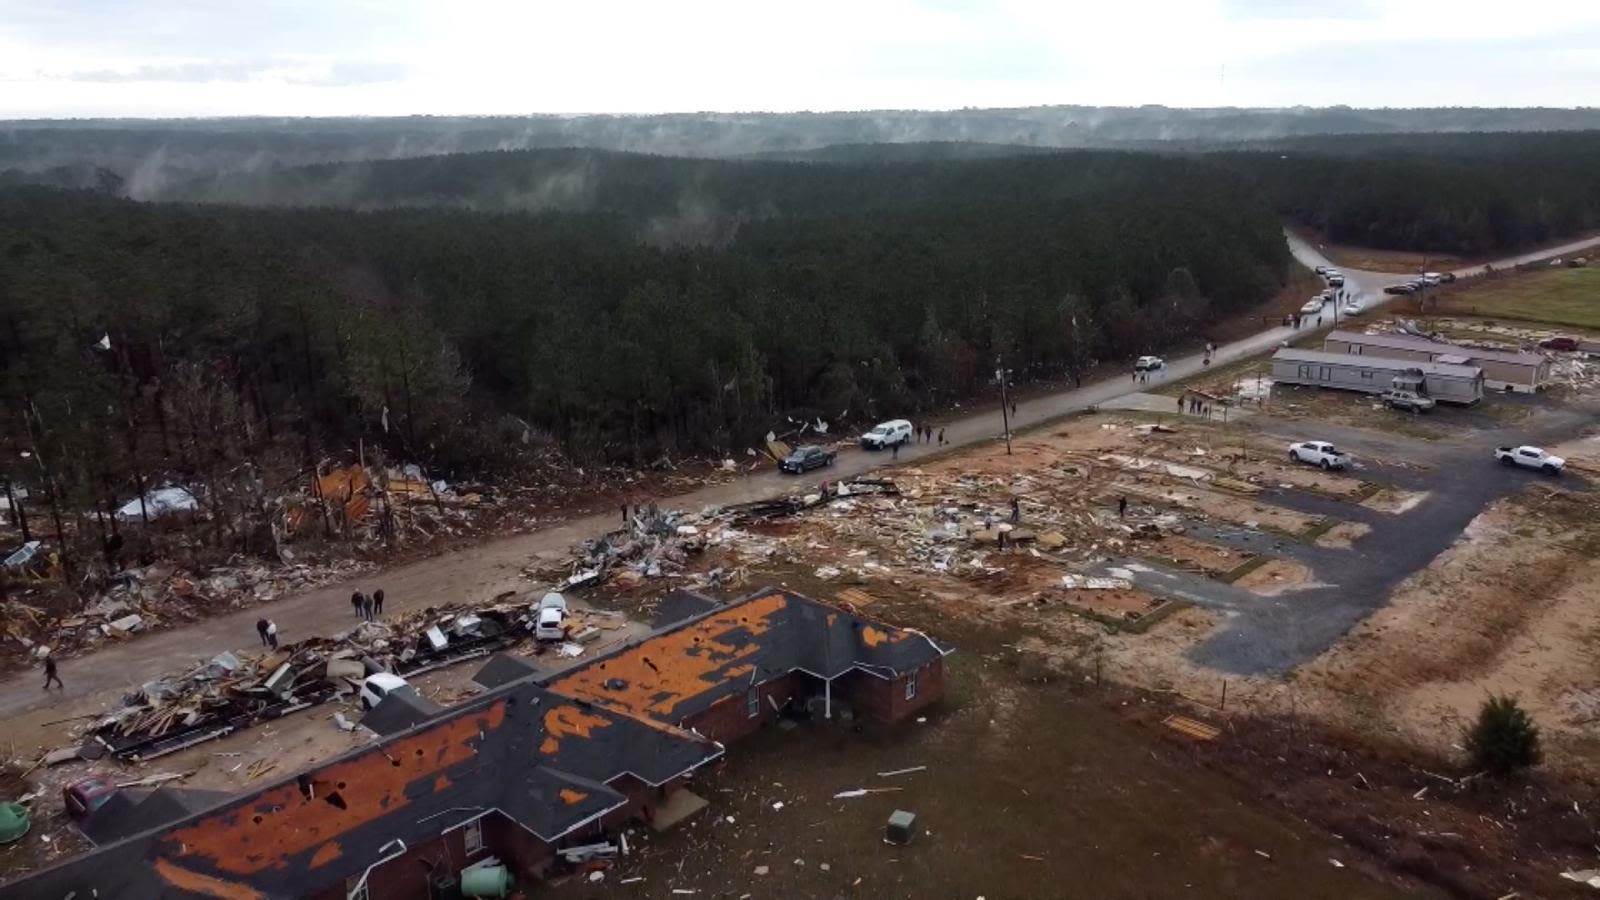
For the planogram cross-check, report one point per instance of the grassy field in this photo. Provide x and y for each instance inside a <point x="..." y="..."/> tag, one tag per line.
<point x="1400" y="262"/>
<point x="1558" y="296"/>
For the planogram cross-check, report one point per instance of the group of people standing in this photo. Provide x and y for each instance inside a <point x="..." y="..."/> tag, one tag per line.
<point x="367" y="607"/>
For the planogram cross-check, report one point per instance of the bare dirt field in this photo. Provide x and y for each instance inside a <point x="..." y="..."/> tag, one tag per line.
<point x="1507" y="610"/>
<point x="1026" y="784"/>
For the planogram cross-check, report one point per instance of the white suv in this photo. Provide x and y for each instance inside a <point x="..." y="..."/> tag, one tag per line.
<point x="887" y="434"/>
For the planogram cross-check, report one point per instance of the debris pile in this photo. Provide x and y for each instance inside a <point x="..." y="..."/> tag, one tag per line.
<point x="227" y="693"/>
<point x="147" y="597"/>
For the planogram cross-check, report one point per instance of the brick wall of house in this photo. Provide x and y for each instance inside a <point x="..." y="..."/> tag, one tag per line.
<point x="643" y="798"/>
<point x="729" y="719"/>
<point x="883" y="700"/>
<point x="406" y="877"/>
<point x="525" y="854"/>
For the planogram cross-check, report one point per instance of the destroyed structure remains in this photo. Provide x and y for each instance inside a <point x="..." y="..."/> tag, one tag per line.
<point x="535" y="767"/>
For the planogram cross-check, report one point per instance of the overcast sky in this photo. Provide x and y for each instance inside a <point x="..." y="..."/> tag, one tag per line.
<point x="336" y="57"/>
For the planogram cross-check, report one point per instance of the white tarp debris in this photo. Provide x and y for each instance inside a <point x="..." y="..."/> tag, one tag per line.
<point x="24" y="554"/>
<point x="160" y="502"/>
<point x="1253" y="388"/>
<point x="1094" y="583"/>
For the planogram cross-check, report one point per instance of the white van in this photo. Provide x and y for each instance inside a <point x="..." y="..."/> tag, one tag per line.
<point x="887" y="434"/>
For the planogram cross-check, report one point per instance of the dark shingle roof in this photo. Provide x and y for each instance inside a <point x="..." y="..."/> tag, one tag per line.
<point x="130" y="812"/>
<point x="503" y="669"/>
<point x="541" y="754"/>
<point x="681" y="605"/>
<point x="677" y="673"/>
<point x="400" y="709"/>
<point x="517" y="750"/>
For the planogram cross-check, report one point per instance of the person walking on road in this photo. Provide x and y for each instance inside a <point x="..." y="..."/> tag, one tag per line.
<point x="50" y="674"/>
<point x="1122" y="507"/>
<point x="358" y="602"/>
<point x="377" y="602"/>
<point x="1016" y="511"/>
<point x="894" y="450"/>
<point x="271" y="633"/>
<point x="262" y="625"/>
<point x="941" y="436"/>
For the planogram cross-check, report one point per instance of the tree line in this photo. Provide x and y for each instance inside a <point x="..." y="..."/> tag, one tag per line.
<point x="234" y="348"/>
<point x="1468" y="194"/>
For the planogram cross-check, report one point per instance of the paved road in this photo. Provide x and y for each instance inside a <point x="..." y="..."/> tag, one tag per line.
<point x="1272" y="635"/>
<point x="494" y="567"/>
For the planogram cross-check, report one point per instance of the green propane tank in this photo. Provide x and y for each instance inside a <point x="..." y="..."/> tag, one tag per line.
<point x="13" y="822"/>
<point x="486" y="881"/>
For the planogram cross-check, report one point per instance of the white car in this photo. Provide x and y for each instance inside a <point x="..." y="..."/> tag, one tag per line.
<point x="1313" y="306"/>
<point x="1531" y="458"/>
<point x="1321" y="270"/>
<point x="1149" y="364"/>
<point x="1319" y="453"/>
<point x="887" y="434"/>
<point x="1432" y="278"/>
<point x="1354" y="307"/>
<point x="1332" y="273"/>
<point x="376" y="687"/>
<point x="550" y="622"/>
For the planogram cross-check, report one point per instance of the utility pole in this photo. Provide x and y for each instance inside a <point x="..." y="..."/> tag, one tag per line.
<point x="1005" y="402"/>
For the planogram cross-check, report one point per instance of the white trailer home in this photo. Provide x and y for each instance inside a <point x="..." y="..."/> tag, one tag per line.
<point x="1445" y="382"/>
<point x="1503" y="370"/>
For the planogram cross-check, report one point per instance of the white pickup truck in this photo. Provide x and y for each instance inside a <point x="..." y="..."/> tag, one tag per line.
<point x="1530" y="457"/>
<point x="1319" y="453"/>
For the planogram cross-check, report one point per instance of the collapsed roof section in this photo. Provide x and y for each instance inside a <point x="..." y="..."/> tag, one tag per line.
<point x="683" y="670"/>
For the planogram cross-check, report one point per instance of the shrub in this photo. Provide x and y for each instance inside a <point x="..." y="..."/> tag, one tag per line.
<point x="1504" y="738"/>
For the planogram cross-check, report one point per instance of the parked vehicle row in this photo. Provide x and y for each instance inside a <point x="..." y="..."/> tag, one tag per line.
<point x="1425" y="280"/>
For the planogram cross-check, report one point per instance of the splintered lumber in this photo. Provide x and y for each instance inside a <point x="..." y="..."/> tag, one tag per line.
<point x="1184" y="725"/>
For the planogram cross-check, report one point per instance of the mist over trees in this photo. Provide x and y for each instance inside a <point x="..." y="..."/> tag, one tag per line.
<point x="151" y="156"/>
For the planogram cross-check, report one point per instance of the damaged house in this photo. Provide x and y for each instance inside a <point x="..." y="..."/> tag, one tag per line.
<point x="531" y="768"/>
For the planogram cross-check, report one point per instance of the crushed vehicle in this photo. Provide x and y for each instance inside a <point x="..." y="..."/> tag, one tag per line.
<point x="378" y="686"/>
<point x="550" y="622"/>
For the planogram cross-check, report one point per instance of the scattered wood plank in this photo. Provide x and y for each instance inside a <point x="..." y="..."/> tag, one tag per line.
<point x="1196" y="729"/>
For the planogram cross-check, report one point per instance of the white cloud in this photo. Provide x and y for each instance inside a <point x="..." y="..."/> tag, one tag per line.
<point x="301" y="57"/>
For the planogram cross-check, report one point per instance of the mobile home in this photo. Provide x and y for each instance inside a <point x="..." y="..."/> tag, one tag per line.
<point x="1446" y="382"/>
<point x="1503" y="370"/>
